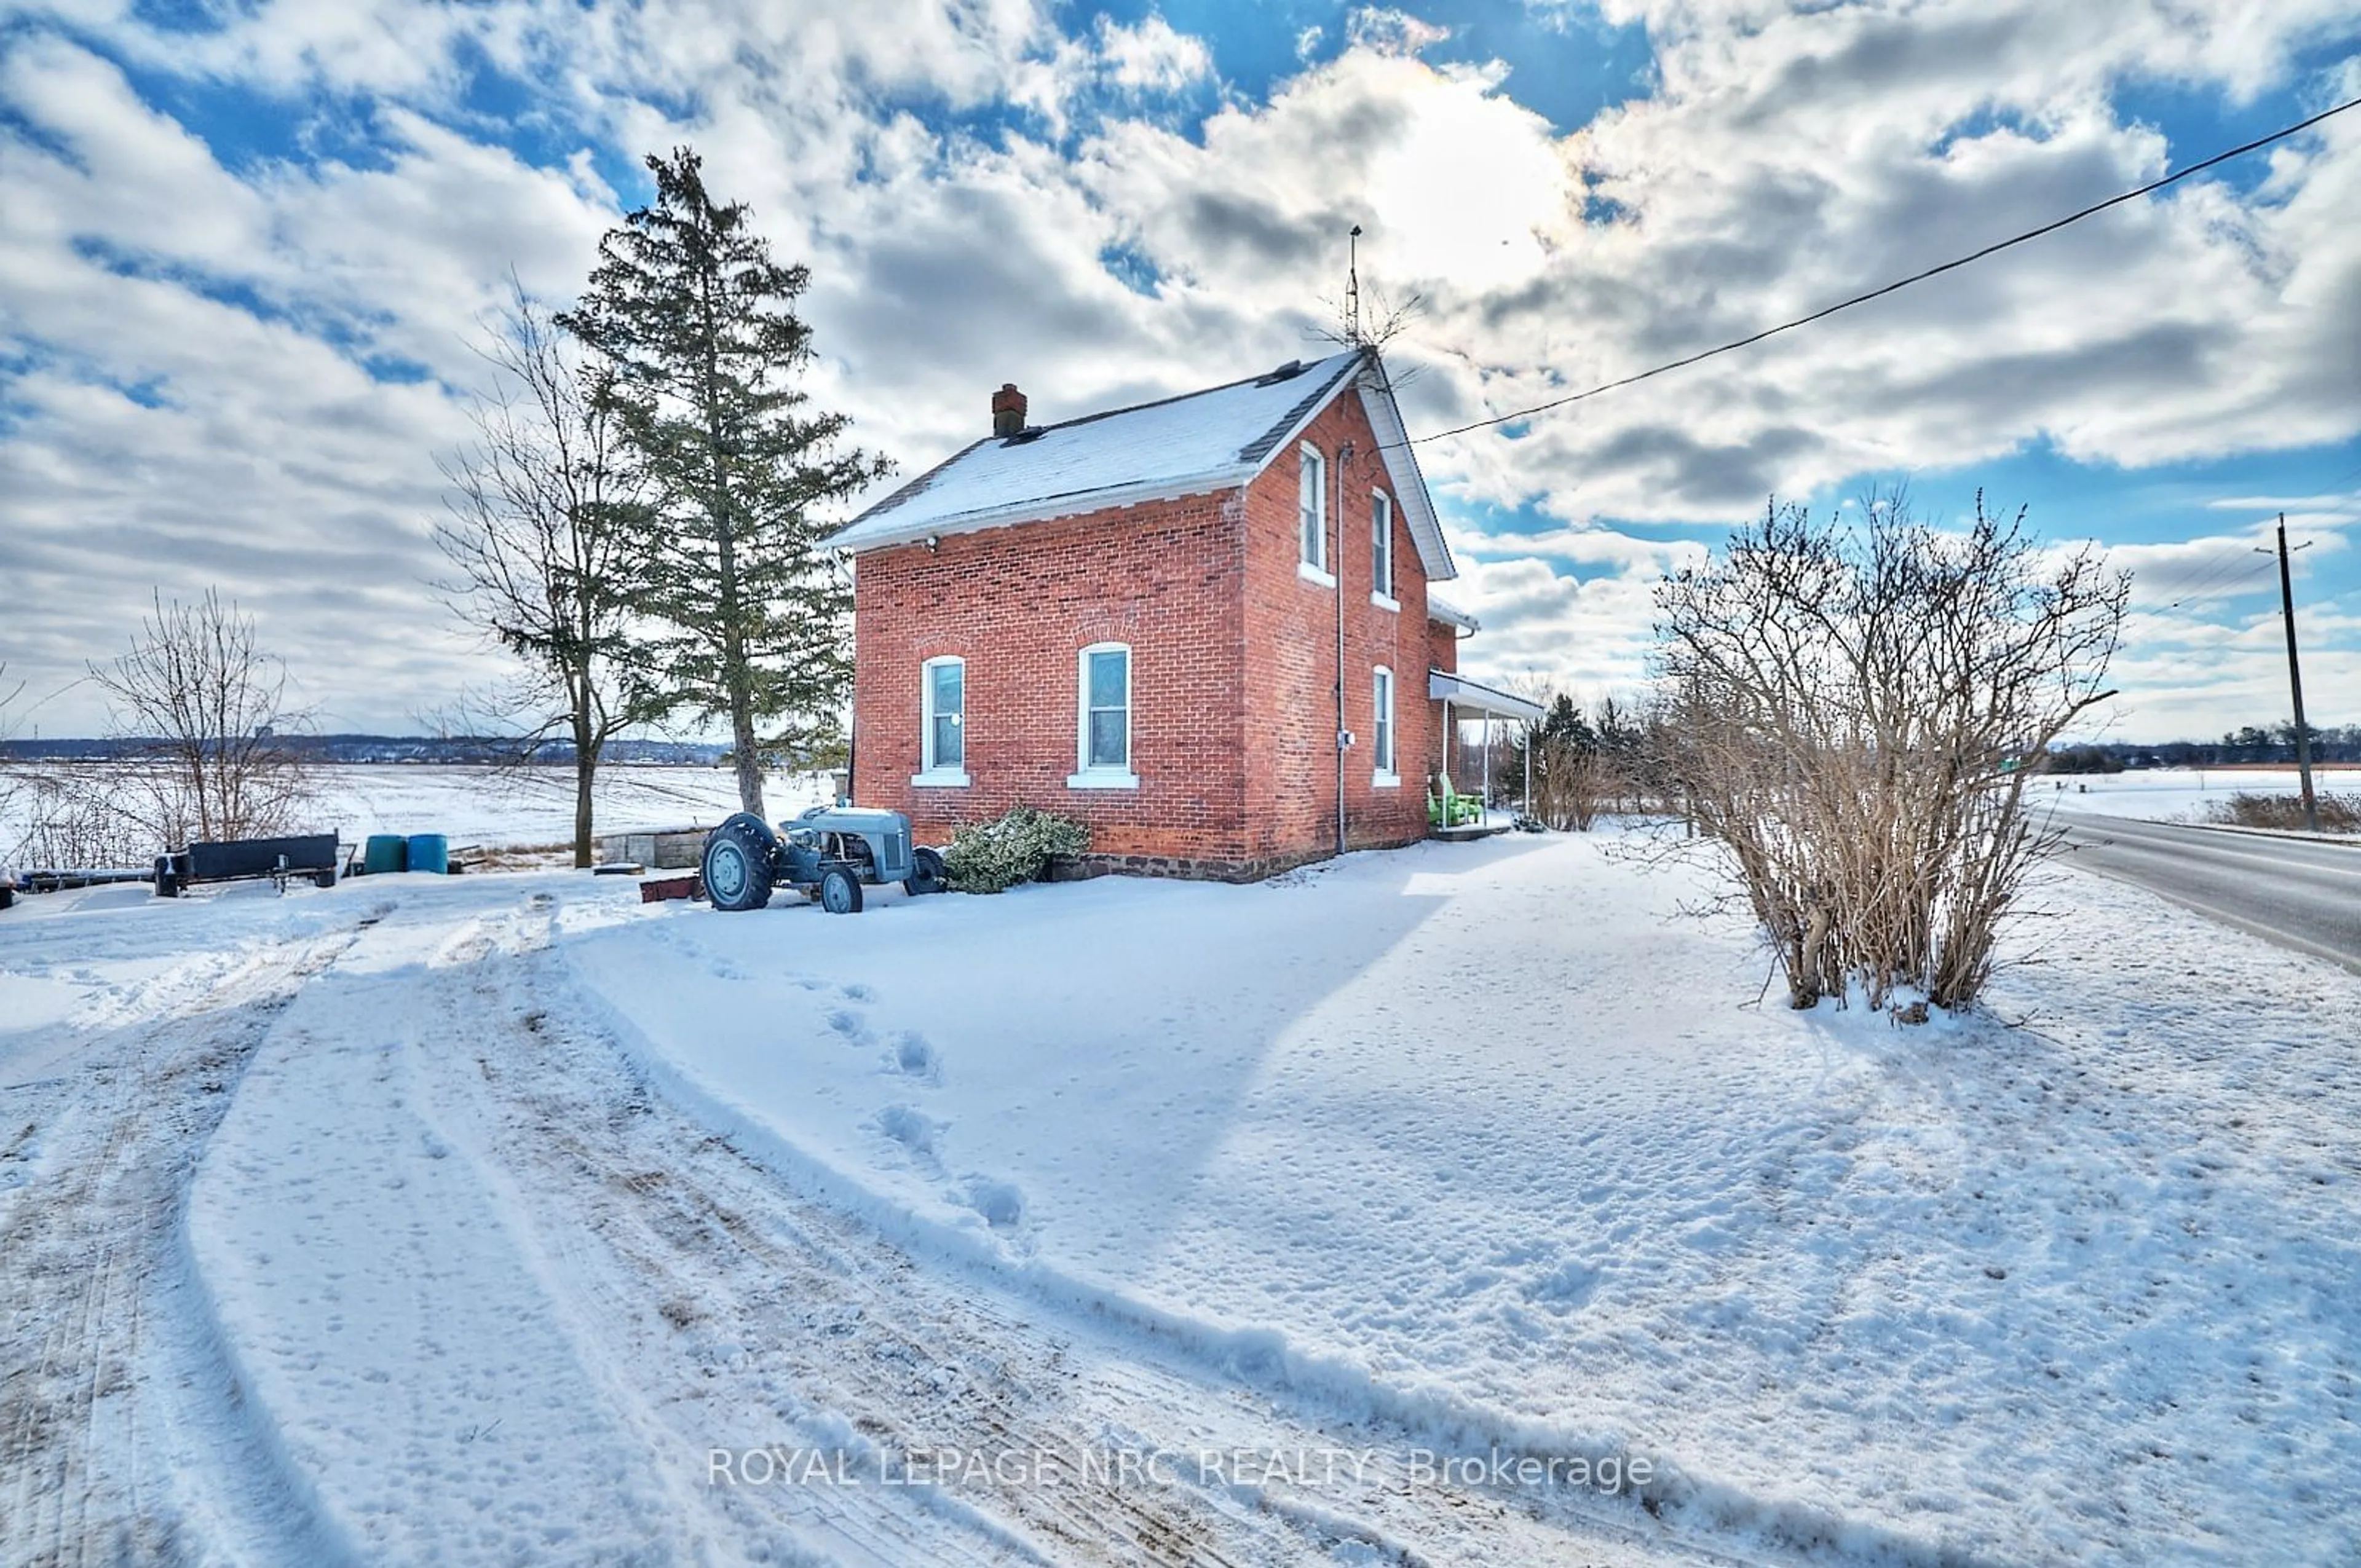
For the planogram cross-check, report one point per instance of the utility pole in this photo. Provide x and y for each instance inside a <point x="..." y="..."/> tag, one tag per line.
<point x="2295" y="684"/>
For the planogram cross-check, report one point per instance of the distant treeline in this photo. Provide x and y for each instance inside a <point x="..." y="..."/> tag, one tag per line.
<point x="2335" y="743"/>
<point x="452" y="749"/>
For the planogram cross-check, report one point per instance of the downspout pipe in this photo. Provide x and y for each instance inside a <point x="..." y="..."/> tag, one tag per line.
<point x="1343" y="458"/>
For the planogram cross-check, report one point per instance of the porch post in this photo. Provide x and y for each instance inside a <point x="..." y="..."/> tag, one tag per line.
<point x="1487" y="758"/>
<point x="1529" y="776"/>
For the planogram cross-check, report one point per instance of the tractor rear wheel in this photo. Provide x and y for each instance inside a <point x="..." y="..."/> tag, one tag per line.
<point x="737" y="863"/>
<point x="925" y="872"/>
<point x="839" y="891"/>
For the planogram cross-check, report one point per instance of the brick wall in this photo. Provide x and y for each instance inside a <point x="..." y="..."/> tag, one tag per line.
<point x="1020" y="605"/>
<point x="1442" y="653"/>
<point x="1291" y="655"/>
<point x="1233" y="661"/>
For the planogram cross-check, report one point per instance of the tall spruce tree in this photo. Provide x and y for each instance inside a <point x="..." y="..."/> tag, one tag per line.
<point x="699" y="326"/>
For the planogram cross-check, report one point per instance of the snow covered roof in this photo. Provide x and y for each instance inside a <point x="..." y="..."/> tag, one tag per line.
<point x="1450" y="615"/>
<point x="1211" y="440"/>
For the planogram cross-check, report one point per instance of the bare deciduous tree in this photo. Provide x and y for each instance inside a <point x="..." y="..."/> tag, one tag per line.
<point x="1849" y="711"/>
<point x="209" y="704"/>
<point x="544" y="509"/>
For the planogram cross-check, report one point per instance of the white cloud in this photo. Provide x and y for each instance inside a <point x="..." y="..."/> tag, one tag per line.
<point x="1152" y="57"/>
<point x="1387" y="30"/>
<point x="1785" y="159"/>
<point x="1587" y="635"/>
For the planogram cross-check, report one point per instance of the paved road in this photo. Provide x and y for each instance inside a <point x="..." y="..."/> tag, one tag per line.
<point x="2301" y="895"/>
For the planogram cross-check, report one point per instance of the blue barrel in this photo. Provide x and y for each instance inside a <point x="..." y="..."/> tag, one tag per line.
<point x="385" y="852"/>
<point x="430" y="852"/>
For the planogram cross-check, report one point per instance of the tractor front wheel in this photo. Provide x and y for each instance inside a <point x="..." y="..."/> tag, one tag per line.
<point x="737" y="864"/>
<point x="839" y="891"/>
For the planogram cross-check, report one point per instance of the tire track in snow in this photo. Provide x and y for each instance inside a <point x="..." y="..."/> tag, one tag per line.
<point x="119" y="1434"/>
<point x="638" y="1230"/>
<point x="371" y="1293"/>
<point x="747" y="1313"/>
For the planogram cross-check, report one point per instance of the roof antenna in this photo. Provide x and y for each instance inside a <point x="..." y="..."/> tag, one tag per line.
<point x="1353" y="288"/>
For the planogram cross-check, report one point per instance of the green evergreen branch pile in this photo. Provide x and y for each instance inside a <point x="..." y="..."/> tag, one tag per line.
<point x="992" y="857"/>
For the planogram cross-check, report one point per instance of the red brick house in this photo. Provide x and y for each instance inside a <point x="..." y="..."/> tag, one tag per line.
<point x="1150" y="618"/>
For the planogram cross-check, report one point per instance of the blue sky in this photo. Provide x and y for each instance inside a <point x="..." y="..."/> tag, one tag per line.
<point x="245" y="248"/>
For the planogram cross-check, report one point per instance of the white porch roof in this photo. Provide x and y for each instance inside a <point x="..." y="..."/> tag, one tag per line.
<point x="1480" y="701"/>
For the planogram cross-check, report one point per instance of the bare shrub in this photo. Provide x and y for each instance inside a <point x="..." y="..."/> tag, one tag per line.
<point x="1846" y="710"/>
<point x="76" y="817"/>
<point x="1571" y="782"/>
<point x="208" y="704"/>
<point x="2247" y="808"/>
<point x="12" y="786"/>
<point x="1560" y="754"/>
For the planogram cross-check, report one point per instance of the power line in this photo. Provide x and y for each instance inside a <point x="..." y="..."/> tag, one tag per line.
<point x="2225" y="569"/>
<point x="2231" y="577"/>
<point x="2203" y="584"/>
<point x="2152" y="186"/>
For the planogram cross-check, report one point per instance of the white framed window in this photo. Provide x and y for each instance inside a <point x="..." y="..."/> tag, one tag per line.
<point x="942" y="734"/>
<point x="1381" y="551"/>
<point x="1311" y="514"/>
<point x="1102" y="737"/>
<point x="1381" y="725"/>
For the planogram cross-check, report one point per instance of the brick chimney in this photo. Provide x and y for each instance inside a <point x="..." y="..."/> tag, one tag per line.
<point x="1007" y="409"/>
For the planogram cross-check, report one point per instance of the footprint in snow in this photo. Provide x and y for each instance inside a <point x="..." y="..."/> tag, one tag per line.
<point x="857" y="994"/>
<point x="1000" y="1202"/>
<point x="909" y="1128"/>
<point x="915" y="1056"/>
<point x="1565" y="1289"/>
<point x="848" y="1024"/>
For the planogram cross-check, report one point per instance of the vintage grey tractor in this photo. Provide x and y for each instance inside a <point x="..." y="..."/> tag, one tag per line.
<point x="827" y="854"/>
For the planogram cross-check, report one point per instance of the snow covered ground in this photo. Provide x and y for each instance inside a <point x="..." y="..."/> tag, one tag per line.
<point x="503" y="1203"/>
<point x="2180" y="794"/>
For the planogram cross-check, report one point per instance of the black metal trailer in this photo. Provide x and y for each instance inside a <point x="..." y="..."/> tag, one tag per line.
<point x="306" y="857"/>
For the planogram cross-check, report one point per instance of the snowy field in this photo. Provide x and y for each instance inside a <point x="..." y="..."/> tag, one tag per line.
<point x="525" y="805"/>
<point x="535" y="805"/>
<point x="2180" y="794"/>
<point x="465" y="1220"/>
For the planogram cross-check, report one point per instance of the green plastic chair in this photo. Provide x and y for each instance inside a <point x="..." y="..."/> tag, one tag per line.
<point x="1452" y="809"/>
